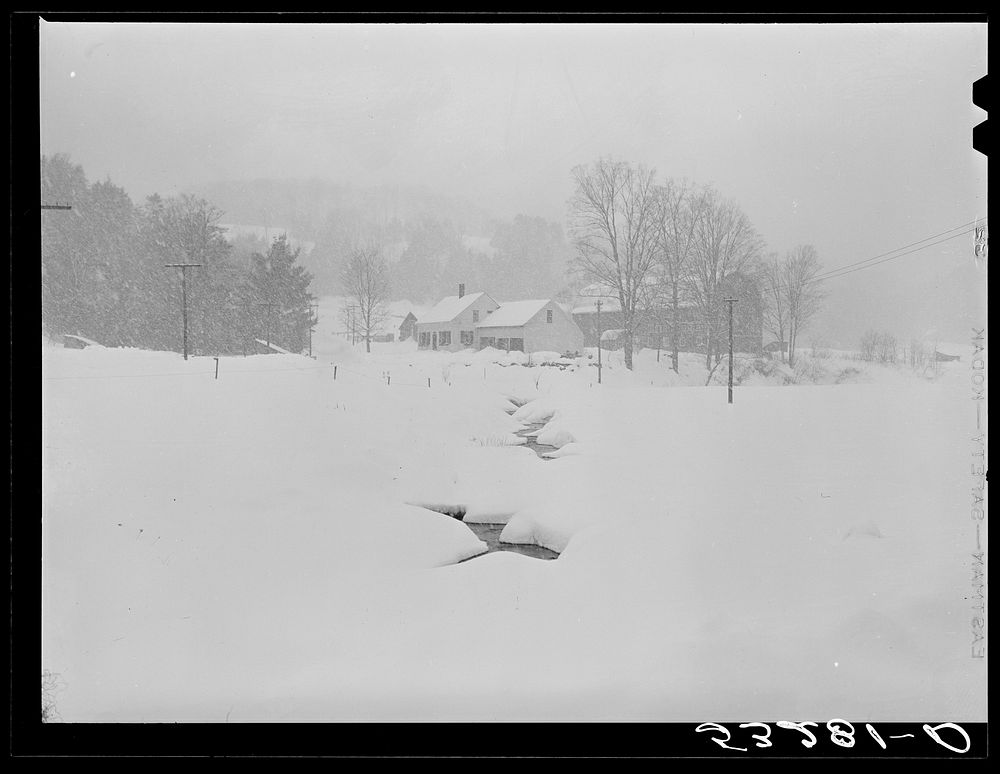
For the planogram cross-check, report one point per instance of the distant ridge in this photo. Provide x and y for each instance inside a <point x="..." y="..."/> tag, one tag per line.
<point x="303" y="206"/>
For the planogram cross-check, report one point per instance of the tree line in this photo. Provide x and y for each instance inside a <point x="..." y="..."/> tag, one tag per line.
<point x="430" y="241"/>
<point x="660" y="246"/>
<point x="104" y="275"/>
<point x="427" y="256"/>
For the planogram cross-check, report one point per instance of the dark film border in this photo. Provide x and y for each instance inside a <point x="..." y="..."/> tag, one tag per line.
<point x="495" y="740"/>
<point x="30" y="738"/>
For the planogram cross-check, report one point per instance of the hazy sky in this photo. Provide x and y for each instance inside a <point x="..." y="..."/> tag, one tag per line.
<point x="856" y="138"/>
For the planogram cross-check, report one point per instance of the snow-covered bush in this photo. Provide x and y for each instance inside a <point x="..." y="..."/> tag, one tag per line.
<point x="820" y="351"/>
<point x="849" y="374"/>
<point x="51" y="685"/>
<point x="809" y="371"/>
<point x="755" y="370"/>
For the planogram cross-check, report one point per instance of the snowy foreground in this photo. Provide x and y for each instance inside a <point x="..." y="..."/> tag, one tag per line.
<point x="251" y="548"/>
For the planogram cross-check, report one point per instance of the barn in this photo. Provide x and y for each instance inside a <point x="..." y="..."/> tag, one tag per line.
<point x="408" y="327"/>
<point x="530" y="326"/>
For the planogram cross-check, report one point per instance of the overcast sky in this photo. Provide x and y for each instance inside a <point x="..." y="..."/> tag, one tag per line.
<point x="856" y="138"/>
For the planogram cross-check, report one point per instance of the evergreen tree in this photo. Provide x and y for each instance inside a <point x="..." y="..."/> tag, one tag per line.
<point x="276" y="297"/>
<point x="85" y="252"/>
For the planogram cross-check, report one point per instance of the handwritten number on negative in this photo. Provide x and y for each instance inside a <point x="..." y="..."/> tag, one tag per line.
<point x="720" y="742"/>
<point x="810" y="740"/>
<point x="762" y="741"/>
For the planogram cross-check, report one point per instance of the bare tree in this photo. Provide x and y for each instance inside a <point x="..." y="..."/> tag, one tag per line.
<point x="725" y="244"/>
<point x="878" y="347"/>
<point x="803" y="295"/>
<point x="365" y="277"/>
<point x="679" y="207"/>
<point x="612" y="224"/>
<point x="775" y="306"/>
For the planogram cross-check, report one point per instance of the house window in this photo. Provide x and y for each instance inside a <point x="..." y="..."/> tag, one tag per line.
<point x="548" y="315"/>
<point x="467" y="338"/>
<point x="425" y="339"/>
<point x="503" y="343"/>
<point x="444" y="338"/>
<point x="475" y="315"/>
<point x="487" y="341"/>
<point x="517" y="345"/>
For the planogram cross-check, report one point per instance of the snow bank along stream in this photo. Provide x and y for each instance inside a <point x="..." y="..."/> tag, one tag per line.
<point x="490" y="532"/>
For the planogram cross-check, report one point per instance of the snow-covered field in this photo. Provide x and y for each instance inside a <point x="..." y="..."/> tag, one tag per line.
<point x="251" y="548"/>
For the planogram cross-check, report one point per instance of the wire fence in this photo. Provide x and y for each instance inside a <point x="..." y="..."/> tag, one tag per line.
<point x="336" y="368"/>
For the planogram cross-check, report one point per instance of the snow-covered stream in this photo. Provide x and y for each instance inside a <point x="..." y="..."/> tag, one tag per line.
<point x="490" y="533"/>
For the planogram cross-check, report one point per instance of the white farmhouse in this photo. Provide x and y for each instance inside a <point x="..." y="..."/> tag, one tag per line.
<point x="530" y="326"/>
<point x="451" y="323"/>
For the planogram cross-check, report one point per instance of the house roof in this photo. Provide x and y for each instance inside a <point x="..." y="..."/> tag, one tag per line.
<point x="513" y="314"/>
<point x="447" y="309"/>
<point x="591" y="307"/>
<point x="82" y="340"/>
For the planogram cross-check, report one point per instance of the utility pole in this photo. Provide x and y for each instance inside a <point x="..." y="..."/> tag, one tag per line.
<point x="267" y="326"/>
<point x="315" y="319"/>
<point x="659" y="336"/>
<point x="730" y="301"/>
<point x="184" y="295"/>
<point x="599" y="303"/>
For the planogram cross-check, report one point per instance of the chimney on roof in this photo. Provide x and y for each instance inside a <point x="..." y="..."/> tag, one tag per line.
<point x="461" y="289"/>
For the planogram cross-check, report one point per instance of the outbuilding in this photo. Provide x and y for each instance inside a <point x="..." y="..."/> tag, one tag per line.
<point x="71" y="341"/>
<point x="408" y="327"/>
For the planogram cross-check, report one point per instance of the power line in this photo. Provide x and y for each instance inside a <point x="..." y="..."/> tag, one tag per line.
<point x="843" y="271"/>
<point x="836" y="273"/>
<point x="904" y="247"/>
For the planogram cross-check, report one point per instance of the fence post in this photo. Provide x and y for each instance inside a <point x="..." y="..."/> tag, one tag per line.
<point x="428" y="382"/>
<point x="335" y="373"/>
<point x="216" y="368"/>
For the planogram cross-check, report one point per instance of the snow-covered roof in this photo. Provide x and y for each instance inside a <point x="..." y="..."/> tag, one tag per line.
<point x="273" y="347"/>
<point x="611" y="305"/>
<point x="82" y="340"/>
<point x="447" y="309"/>
<point x="587" y="298"/>
<point x="402" y="308"/>
<point x="598" y="290"/>
<point x="513" y="313"/>
<point x="947" y="348"/>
